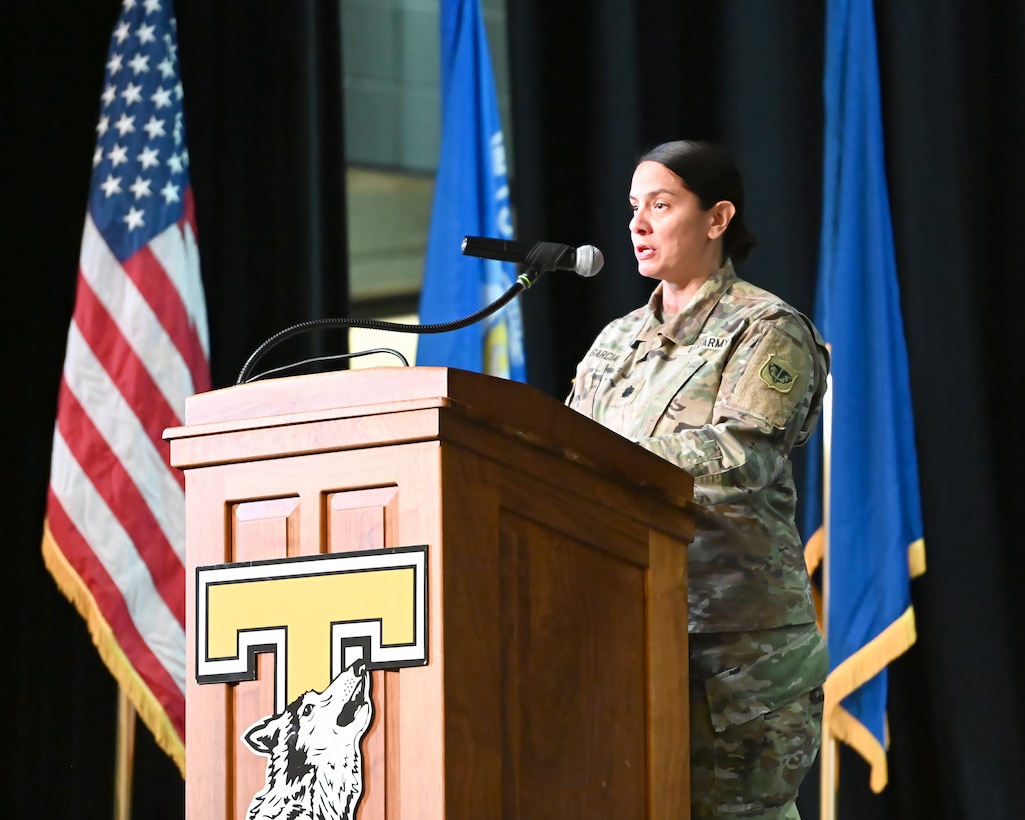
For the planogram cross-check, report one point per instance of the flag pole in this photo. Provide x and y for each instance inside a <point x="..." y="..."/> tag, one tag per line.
<point x="829" y="776"/>
<point x="124" y="754"/>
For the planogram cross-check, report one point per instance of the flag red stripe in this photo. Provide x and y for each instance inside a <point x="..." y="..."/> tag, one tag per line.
<point x="114" y="484"/>
<point x="112" y="606"/>
<point x="194" y="351"/>
<point x="126" y="370"/>
<point x="164" y="299"/>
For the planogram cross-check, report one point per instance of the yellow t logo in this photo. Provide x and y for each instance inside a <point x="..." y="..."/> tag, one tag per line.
<point x="315" y="613"/>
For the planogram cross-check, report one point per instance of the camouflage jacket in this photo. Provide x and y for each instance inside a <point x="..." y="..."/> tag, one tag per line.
<point x="725" y="390"/>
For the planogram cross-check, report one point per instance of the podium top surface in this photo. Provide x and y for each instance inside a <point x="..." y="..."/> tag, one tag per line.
<point x="513" y="407"/>
<point x="343" y="392"/>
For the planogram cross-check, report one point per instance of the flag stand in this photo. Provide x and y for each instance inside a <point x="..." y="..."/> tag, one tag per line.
<point x="123" y="756"/>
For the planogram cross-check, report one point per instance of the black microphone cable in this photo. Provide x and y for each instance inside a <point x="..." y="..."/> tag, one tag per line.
<point x="523" y="281"/>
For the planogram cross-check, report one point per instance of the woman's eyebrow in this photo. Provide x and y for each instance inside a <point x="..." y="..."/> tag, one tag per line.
<point x="656" y="192"/>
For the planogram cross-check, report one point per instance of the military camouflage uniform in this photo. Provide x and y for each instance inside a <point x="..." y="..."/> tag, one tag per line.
<point x="725" y="390"/>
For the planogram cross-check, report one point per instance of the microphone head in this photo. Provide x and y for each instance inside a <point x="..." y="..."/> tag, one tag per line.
<point x="589" y="260"/>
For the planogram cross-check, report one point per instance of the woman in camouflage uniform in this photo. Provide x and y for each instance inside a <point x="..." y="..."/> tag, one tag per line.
<point x="724" y="379"/>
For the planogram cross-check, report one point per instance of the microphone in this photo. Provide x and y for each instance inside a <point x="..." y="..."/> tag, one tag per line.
<point x="586" y="260"/>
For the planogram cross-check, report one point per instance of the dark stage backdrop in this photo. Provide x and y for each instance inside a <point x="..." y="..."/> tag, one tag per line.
<point x="594" y="82"/>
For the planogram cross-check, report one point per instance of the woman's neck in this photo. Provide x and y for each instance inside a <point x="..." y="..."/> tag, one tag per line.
<point x="676" y="297"/>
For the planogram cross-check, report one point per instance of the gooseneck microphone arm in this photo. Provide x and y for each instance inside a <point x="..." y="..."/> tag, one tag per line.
<point x="523" y="281"/>
<point x="536" y="259"/>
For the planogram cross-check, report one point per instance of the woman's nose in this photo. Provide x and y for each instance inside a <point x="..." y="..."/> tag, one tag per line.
<point x="638" y="224"/>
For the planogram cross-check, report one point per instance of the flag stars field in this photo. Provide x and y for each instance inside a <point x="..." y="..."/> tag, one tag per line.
<point x="148" y="158"/>
<point x="170" y="193"/>
<point x="139" y="131"/>
<point x="132" y="93"/>
<point x="134" y="219"/>
<point x="117" y="155"/>
<point x="125" y="125"/>
<point x="161" y="98"/>
<point x="139" y="64"/>
<point x="155" y="128"/>
<point x="140" y="187"/>
<point x="111" y="185"/>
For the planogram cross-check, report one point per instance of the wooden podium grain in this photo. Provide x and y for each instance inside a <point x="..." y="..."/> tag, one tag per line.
<point x="557" y="677"/>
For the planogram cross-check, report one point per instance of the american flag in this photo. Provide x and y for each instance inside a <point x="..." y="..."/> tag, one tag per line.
<point x="114" y="536"/>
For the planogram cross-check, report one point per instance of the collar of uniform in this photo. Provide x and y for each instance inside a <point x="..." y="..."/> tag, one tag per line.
<point x="685" y="327"/>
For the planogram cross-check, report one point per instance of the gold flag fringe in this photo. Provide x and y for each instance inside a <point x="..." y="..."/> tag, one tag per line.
<point x="145" y="703"/>
<point x="851" y="674"/>
<point x="864" y="665"/>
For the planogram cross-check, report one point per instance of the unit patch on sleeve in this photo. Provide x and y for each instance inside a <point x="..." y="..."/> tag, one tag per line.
<point x="777" y="374"/>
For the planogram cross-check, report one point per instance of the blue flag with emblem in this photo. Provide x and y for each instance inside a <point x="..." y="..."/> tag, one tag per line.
<point x="471" y="198"/>
<point x="872" y="536"/>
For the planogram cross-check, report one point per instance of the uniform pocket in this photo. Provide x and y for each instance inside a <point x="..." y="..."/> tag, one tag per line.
<point x="665" y="403"/>
<point x="766" y="714"/>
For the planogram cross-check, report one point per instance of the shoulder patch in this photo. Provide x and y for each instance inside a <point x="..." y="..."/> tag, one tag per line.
<point x="777" y="374"/>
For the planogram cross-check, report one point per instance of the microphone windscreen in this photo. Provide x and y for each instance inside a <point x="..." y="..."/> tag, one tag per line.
<point x="589" y="260"/>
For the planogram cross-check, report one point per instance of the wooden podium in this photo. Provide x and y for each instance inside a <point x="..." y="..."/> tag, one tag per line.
<point x="555" y="682"/>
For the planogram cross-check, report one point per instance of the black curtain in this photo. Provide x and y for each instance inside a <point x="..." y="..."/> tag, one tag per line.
<point x="263" y="108"/>
<point x="593" y="83"/>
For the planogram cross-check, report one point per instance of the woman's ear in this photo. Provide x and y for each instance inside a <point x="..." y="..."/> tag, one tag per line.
<point x="722" y="212"/>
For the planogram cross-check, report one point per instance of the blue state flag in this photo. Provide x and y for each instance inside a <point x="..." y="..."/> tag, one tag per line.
<point x="872" y="517"/>
<point x="471" y="198"/>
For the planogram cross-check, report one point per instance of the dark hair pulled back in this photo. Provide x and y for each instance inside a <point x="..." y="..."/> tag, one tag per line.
<point x="708" y="171"/>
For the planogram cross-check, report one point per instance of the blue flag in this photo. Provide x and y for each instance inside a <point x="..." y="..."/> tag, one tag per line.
<point x="471" y="198"/>
<point x="872" y="512"/>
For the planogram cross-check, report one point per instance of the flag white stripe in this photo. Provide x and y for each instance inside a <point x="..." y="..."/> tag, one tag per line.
<point x="127" y="438"/>
<point x="140" y="327"/>
<point x="178" y="254"/>
<point x="112" y="547"/>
